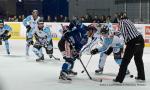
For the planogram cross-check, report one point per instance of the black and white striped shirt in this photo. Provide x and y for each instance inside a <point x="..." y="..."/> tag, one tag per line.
<point x="128" y="30"/>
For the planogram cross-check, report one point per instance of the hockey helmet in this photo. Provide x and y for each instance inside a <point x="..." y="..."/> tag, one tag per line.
<point x="41" y="21"/>
<point x="104" y="30"/>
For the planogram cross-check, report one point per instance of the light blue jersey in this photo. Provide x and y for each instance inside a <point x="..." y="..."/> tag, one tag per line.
<point x="4" y="35"/>
<point x="42" y="36"/>
<point x="115" y="42"/>
<point x="5" y="28"/>
<point x="29" y="21"/>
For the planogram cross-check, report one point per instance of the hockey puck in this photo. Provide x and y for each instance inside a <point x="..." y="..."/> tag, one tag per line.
<point x="101" y="80"/>
<point x="131" y="76"/>
<point x="82" y="72"/>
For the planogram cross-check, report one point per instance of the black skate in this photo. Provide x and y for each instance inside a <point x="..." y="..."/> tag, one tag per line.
<point x="138" y="79"/>
<point x="72" y="73"/>
<point x="40" y="59"/>
<point x="8" y="52"/>
<point x="99" y="71"/>
<point x="64" y="76"/>
<point x="50" y="56"/>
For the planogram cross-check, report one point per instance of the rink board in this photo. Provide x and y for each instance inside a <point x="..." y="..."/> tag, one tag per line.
<point x="19" y="31"/>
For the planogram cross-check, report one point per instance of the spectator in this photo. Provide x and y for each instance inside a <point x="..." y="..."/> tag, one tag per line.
<point x="55" y="19"/>
<point x="108" y="19"/>
<point x="116" y="20"/>
<point x="66" y="19"/>
<point x="15" y="19"/>
<point x="48" y="18"/>
<point x="19" y="18"/>
<point x="96" y="19"/>
<point x="23" y="17"/>
<point x="61" y="18"/>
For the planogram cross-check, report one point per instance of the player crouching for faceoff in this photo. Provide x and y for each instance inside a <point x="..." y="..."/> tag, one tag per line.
<point x="43" y="38"/>
<point x="111" y="43"/>
<point x="69" y="51"/>
<point x="73" y="39"/>
<point x="5" y="34"/>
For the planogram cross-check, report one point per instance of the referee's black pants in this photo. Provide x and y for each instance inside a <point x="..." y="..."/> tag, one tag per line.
<point x="134" y="48"/>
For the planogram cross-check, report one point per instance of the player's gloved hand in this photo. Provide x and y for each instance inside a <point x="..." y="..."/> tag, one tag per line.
<point x="28" y="27"/>
<point x="2" y="36"/>
<point x="66" y="35"/>
<point x="76" y="55"/>
<point x="31" y="42"/>
<point x="6" y="37"/>
<point x="94" y="51"/>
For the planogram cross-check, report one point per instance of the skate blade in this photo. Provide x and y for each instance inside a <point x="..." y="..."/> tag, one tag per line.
<point x="71" y="75"/>
<point x="65" y="81"/>
<point x="106" y="74"/>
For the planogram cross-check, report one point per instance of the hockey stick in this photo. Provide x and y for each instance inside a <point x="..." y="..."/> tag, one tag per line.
<point x="87" y="63"/>
<point x="55" y="58"/>
<point x="91" y="78"/>
<point x="85" y="69"/>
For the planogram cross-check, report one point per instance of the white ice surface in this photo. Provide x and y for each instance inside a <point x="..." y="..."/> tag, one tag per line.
<point x="18" y="72"/>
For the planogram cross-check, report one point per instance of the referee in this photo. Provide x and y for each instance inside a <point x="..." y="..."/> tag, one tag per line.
<point x="134" y="47"/>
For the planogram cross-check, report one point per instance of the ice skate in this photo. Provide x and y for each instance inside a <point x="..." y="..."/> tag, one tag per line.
<point x="40" y="59"/>
<point x="71" y="72"/>
<point x="64" y="76"/>
<point x="99" y="71"/>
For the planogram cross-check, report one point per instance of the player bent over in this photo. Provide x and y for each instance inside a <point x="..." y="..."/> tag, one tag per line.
<point x="5" y="34"/>
<point x="111" y="43"/>
<point x="43" y="39"/>
<point x="30" y="23"/>
<point x="72" y="41"/>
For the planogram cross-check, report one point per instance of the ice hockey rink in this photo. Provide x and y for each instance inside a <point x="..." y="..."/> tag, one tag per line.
<point x="18" y="72"/>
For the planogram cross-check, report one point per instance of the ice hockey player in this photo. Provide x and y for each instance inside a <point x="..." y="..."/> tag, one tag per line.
<point x="30" y="23"/>
<point x="43" y="39"/>
<point x="73" y="39"/>
<point x="5" y="34"/>
<point x="111" y="43"/>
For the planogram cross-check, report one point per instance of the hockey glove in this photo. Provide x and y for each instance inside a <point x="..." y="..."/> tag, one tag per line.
<point x="28" y="28"/>
<point x="94" y="51"/>
<point x="6" y="37"/>
<point x="76" y="55"/>
<point x="30" y="41"/>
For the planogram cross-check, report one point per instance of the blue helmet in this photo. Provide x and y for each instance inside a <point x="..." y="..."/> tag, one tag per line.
<point x="75" y="23"/>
